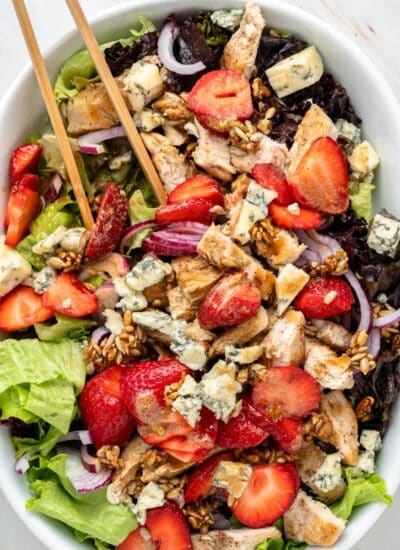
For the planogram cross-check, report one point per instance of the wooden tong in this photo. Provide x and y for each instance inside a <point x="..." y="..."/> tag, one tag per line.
<point x="55" y="116"/>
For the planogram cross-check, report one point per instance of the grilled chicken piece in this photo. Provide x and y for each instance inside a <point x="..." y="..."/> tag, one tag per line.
<point x="233" y="201"/>
<point x="132" y="455"/>
<point x="285" y="342"/>
<point x="173" y="107"/>
<point x="175" y="133"/>
<point x="213" y="155"/>
<point x="310" y="521"/>
<point x="195" y="276"/>
<point x="342" y="430"/>
<point x="169" y="467"/>
<point x="90" y="110"/>
<point x="219" y="250"/>
<point x="329" y="370"/>
<point x="270" y="151"/>
<point x="285" y="248"/>
<point x="315" y="124"/>
<point x="172" y="166"/>
<point x="241" y="334"/>
<point x="308" y="461"/>
<point x="241" y="51"/>
<point x="180" y="306"/>
<point x="235" y="539"/>
<point x="332" y="334"/>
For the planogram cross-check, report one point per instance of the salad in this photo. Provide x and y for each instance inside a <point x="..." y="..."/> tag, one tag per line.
<point x="216" y="372"/>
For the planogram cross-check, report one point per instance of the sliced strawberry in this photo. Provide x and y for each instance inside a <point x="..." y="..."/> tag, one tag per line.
<point x="190" y="210"/>
<point x="232" y="301"/>
<point x="286" y="391"/>
<point x="168" y="527"/>
<point x="196" y="444"/>
<point x="23" y="206"/>
<point x="169" y="424"/>
<point x="288" y="433"/>
<point x="199" y="187"/>
<point x="110" y="222"/>
<point x="321" y="181"/>
<point x="21" y="308"/>
<point x="291" y="468"/>
<point x="24" y="159"/>
<point x="323" y="298"/>
<point x="135" y="541"/>
<point x="199" y="484"/>
<point x="67" y="295"/>
<point x="270" y="177"/>
<point x="242" y="431"/>
<point x="103" y="410"/>
<point x="31" y="181"/>
<point x="269" y="493"/>
<point x="305" y="219"/>
<point x="220" y="96"/>
<point x="143" y="386"/>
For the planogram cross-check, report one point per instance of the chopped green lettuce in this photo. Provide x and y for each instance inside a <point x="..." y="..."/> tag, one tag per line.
<point x="44" y="443"/>
<point x="52" y="154"/>
<point x="52" y="217"/>
<point x="90" y="514"/>
<point x="137" y="181"/>
<point x="360" y="491"/>
<point x="64" y="327"/>
<point x="95" y="281"/>
<point x="40" y="380"/>
<point x="361" y="199"/>
<point x="80" y="68"/>
<point x="139" y="211"/>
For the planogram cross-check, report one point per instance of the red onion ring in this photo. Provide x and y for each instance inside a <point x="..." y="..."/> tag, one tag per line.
<point x="91" y="143"/>
<point x="22" y="464"/>
<point x="374" y="342"/>
<point x="82" y="480"/>
<point x="387" y="320"/>
<point x="322" y="250"/>
<point x="168" y="35"/>
<point x="79" y="435"/>
<point x="99" y="334"/>
<point x="186" y="227"/>
<point x="365" y="306"/>
<point x="91" y="463"/>
<point x="167" y="245"/>
<point x="54" y="188"/>
<point x="133" y="229"/>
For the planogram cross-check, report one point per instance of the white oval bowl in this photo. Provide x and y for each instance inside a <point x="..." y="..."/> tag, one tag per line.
<point x="22" y="113"/>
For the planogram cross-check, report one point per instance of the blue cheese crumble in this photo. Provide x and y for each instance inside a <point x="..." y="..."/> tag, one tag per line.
<point x="227" y="19"/>
<point x="189" y="403"/>
<point x="371" y="440"/>
<point x="243" y="356"/>
<point x="329" y="474"/>
<point x="151" y="496"/>
<point x="218" y="389"/>
<point x="384" y="235"/>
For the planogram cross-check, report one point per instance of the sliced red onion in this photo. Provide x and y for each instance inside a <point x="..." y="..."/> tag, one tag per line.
<point x="133" y="229"/>
<point x="365" y="306"/>
<point x="311" y="256"/>
<point x="91" y="143"/>
<point x="22" y="464"/>
<point x="166" y="244"/>
<point x="54" y="188"/>
<point x="90" y="463"/>
<point x="79" y="435"/>
<point x="387" y="320"/>
<point x="324" y="240"/>
<point x="107" y="296"/>
<point x="168" y="35"/>
<point x="322" y="250"/>
<point x="98" y="334"/>
<point x="221" y="523"/>
<point x="195" y="228"/>
<point x="82" y="480"/>
<point x="374" y="342"/>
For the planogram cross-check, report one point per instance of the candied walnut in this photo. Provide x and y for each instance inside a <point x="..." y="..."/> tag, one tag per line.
<point x="358" y="353"/>
<point x="244" y="135"/>
<point x="336" y="264"/>
<point x="109" y="456"/>
<point x="200" y="515"/>
<point x="173" y="107"/>
<point x="260" y="455"/>
<point x="259" y="89"/>
<point x="65" y="261"/>
<point x="363" y="410"/>
<point x="379" y="310"/>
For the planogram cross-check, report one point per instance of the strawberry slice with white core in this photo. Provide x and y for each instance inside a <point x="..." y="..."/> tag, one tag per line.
<point x="320" y="181"/>
<point x="269" y="493"/>
<point x="286" y="391"/>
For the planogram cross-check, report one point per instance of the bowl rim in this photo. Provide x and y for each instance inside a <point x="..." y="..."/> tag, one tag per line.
<point x="42" y="526"/>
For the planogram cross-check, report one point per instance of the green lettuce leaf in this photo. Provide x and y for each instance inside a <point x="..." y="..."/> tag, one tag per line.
<point x="84" y="537"/>
<point x="52" y="154"/>
<point x="65" y="327"/>
<point x="137" y="181"/>
<point x="90" y="514"/>
<point x="52" y="217"/>
<point x="139" y="211"/>
<point x="280" y="544"/>
<point x="39" y="380"/>
<point x="360" y="491"/>
<point x="80" y="68"/>
<point x="361" y="199"/>
<point x="47" y="439"/>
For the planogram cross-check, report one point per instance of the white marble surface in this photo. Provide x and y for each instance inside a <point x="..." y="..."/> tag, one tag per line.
<point x="373" y="25"/>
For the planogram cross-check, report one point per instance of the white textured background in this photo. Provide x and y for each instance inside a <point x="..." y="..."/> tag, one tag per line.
<point x="375" y="26"/>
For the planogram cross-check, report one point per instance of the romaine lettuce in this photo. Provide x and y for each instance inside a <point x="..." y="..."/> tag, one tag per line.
<point x="139" y="211"/>
<point x="361" y="199"/>
<point x="45" y="441"/>
<point x="360" y="491"/>
<point x="90" y="514"/>
<point x="65" y="327"/>
<point x="39" y="380"/>
<point x="280" y="544"/>
<point x="80" y="67"/>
